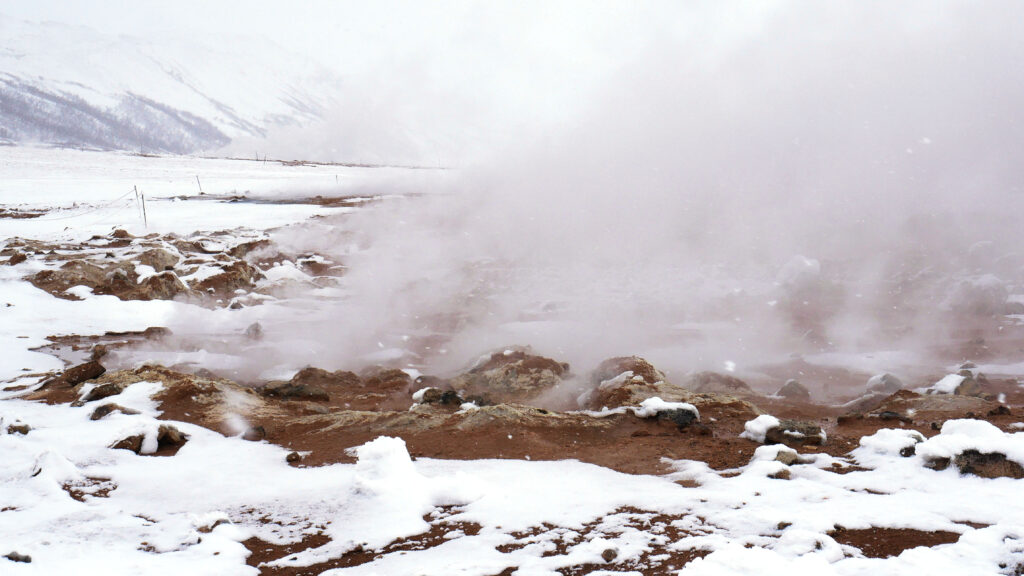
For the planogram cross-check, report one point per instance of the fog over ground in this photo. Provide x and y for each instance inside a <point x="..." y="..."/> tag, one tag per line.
<point x="701" y="183"/>
<point x="836" y="177"/>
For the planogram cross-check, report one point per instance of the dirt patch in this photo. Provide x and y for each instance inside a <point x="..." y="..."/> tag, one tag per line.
<point x="888" y="542"/>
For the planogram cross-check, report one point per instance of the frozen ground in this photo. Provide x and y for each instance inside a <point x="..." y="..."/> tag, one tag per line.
<point x="75" y="505"/>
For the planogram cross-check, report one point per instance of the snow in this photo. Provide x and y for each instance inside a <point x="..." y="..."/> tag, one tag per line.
<point x="757" y="428"/>
<point x="947" y="385"/>
<point x="651" y="407"/>
<point x="158" y="513"/>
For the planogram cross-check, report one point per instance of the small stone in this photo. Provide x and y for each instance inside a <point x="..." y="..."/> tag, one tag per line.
<point x="16" y="557"/>
<point x="120" y="233"/>
<point x="1001" y="410"/>
<point x="255" y="434"/>
<point x="22" y="429"/>
<point x="106" y="409"/>
<point x="292" y="457"/>
<point x="235" y="305"/>
<point x="254" y="331"/>
<point x="609" y="554"/>
<point x="783" y="474"/>
<point x="787" y="457"/>
<point x="908" y="451"/>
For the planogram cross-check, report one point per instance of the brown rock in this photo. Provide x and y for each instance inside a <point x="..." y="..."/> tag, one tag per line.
<point x="717" y="383"/>
<point x="120" y="234"/>
<point x="16" y="258"/>
<point x="609" y="554"/>
<point x="106" y="409"/>
<point x="794" y="391"/>
<point x="794" y="433"/>
<point x="159" y="259"/>
<point x="613" y="367"/>
<point x="22" y="429"/>
<point x="990" y="465"/>
<point x="237" y="274"/>
<point x="17" y="557"/>
<point x="293" y="457"/>
<point x="100" y="392"/>
<point x="513" y="375"/>
<point x="168" y="438"/>
<point x="77" y="374"/>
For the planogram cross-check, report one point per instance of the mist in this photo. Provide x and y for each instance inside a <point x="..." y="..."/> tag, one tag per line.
<point x="749" y="186"/>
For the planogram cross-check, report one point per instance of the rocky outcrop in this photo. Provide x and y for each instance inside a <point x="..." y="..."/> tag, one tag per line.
<point x="985" y="465"/>
<point x="713" y="382"/>
<point x="794" y="390"/>
<point x="77" y="374"/>
<point x="513" y="375"/>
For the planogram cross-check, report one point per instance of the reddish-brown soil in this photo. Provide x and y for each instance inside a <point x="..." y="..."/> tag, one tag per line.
<point x="887" y="542"/>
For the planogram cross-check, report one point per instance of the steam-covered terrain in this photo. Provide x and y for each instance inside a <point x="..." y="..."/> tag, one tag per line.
<point x="191" y="395"/>
<point x="699" y="288"/>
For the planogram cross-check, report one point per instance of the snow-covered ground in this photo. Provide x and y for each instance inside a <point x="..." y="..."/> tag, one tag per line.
<point x="189" y="513"/>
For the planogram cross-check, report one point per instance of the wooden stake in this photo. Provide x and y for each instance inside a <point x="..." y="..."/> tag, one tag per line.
<point x="145" y="220"/>
<point x="200" y="185"/>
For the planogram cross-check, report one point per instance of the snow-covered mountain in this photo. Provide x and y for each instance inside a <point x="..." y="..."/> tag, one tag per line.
<point x="71" y="85"/>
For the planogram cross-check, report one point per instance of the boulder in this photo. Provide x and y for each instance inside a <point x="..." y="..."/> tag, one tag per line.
<point x="159" y="259"/>
<point x="77" y="374"/>
<point x="713" y="382"/>
<point x="168" y="438"/>
<point x="104" y="410"/>
<point x="985" y="465"/>
<point x="639" y="367"/>
<point x="513" y="375"/>
<point x="794" y="390"/>
<point x="100" y="392"/>
<point x="795" y="433"/>
<point x="884" y="383"/>
<point x="16" y="258"/>
<point x="236" y="275"/>
<point x="17" y="557"/>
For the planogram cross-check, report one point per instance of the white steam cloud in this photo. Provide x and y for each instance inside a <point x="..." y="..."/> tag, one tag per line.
<point x="826" y="176"/>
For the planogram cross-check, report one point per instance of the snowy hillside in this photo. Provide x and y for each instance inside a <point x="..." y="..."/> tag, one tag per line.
<point x="71" y="85"/>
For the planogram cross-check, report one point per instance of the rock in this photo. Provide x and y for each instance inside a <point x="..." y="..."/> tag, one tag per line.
<point x="70" y="274"/>
<point x="613" y="367"/>
<point x="513" y="375"/>
<point x="987" y="465"/>
<point x="22" y="429"/>
<point x="16" y="557"/>
<point x="794" y="390"/>
<point x="233" y="276"/>
<point x="16" y="258"/>
<point x="1000" y="410"/>
<point x="293" y="457"/>
<point x="783" y="474"/>
<point x="255" y="434"/>
<point x="713" y="382"/>
<point x="159" y="259"/>
<point x="254" y="331"/>
<point x="795" y="433"/>
<point x="884" y="383"/>
<point x="77" y="374"/>
<point x="609" y="554"/>
<point x="131" y="443"/>
<point x="289" y="391"/>
<point x="312" y="384"/>
<point x="120" y="233"/>
<point x="100" y="392"/>
<point x="162" y="286"/>
<point x="983" y="295"/>
<point x="322" y="378"/>
<point x="786" y="456"/>
<point x="107" y="409"/>
<point x="167" y="437"/>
